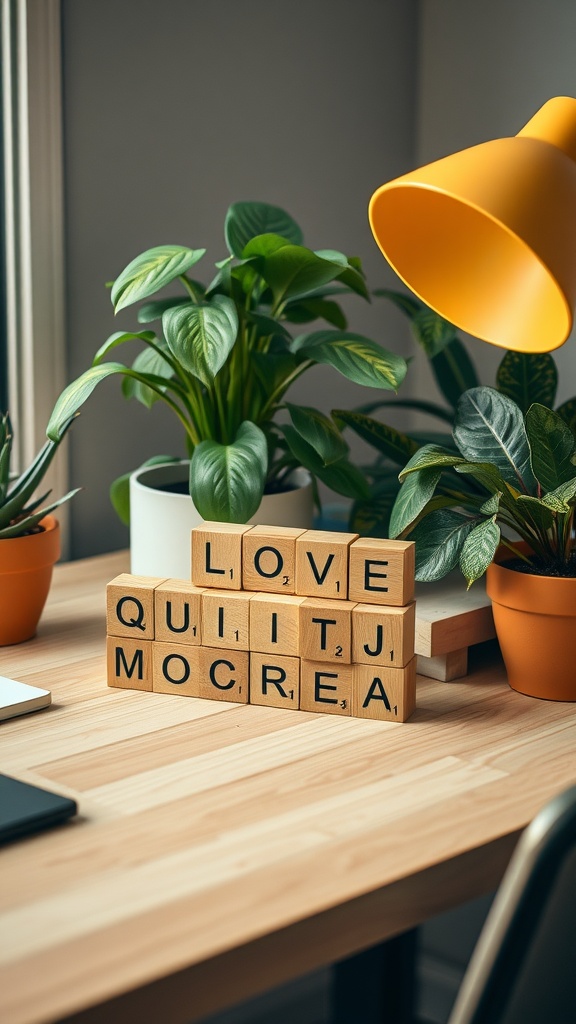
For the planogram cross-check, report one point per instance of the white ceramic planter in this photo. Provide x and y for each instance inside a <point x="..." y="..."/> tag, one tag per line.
<point x="161" y="521"/>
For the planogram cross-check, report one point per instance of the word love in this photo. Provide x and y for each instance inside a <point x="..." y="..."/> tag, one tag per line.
<point x="300" y="619"/>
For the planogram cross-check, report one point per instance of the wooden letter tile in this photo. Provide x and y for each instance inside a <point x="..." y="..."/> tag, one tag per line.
<point x="224" y="675"/>
<point x="274" y="623"/>
<point x="383" y="636"/>
<point x="274" y="680"/>
<point x="269" y="559"/>
<point x="322" y="564"/>
<point x="326" y="630"/>
<point x="226" y="619"/>
<point x="326" y="688"/>
<point x="386" y="694"/>
<point x="176" y="669"/>
<point x="217" y="555"/>
<point x="129" y="663"/>
<point x="177" y="612"/>
<point x="130" y="606"/>
<point x="381" y="571"/>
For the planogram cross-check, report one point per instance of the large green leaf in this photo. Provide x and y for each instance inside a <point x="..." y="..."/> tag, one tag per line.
<point x="151" y="271"/>
<point x="430" y="456"/>
<point x="486" y="474"/>
<point x="534" y="511"/>
<point x="155" y="310"/>
<point x="292" y="270"/>
<point x="561" y="499"/>
<point x="354" y="356"/>
<point x="551" y="447"/>
<point x="432" y="331"/>
<point x="118" y="338"/>
<point x="273" y="370"/>
<point x="342" y="476"/>
<point x="319" y="431"/>
<point x="147" y="362"/>
<point x="454" y="371"/>
<point x="202" y="336"/>
<point x="74" y="396"/>
<point x="528" y="377"/>
<point x="302" y="311"/>
<point x="245" y="220"/>
<point x="391" y="442"/>
<point x="227" y="480"/>
<point x="567" y="412"/>
<point x="479" y="549"/>
<point x="413" y="496"/>
<point x="489" y="427"/>
<point x="439" y="540"/>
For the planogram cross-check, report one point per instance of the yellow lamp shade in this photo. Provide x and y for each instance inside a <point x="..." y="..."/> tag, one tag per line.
<point x="487" y="237"/>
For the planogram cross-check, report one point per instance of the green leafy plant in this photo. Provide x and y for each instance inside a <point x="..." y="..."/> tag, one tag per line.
<point x="225" y="358"/>
<point x="523" y="468"/>
<point x="524" y="378"/>
<point x="20" y="510"/>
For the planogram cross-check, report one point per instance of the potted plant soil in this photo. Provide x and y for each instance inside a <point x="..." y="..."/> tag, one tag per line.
<point x="502" y="501"/>
<point x="29" y="540"/>
<point x="227" y="353"/>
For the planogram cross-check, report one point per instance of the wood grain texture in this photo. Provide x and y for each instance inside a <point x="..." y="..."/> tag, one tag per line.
<point x="219" y="840"/>
<point x="177" y="612"/>
<point x="381" y="571"/>
<point x="449" y="617"/>
<point x="269" y="559"/>
<point x="326" y="630"/>
<point x="274" y="623"/>
<point x="383" y="636"/>
<point x="322" y="564"/>
<point x="275" y="681"/>
<point x="217" y="555"/>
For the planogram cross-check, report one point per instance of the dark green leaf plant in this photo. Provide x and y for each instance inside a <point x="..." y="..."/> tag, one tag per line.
<point x="21" y="510"/>
<point x="224" y="356"/>
<point x="522" y="467"/>
<point x="525" y="378"/>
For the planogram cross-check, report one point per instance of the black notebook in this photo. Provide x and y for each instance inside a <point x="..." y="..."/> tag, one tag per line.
<point x="25" y="808"/>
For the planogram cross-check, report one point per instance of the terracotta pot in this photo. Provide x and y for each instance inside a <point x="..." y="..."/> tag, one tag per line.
<point x="535" y="620"/>
<point x="161" y="521"/>
<point x="26" y="565"/>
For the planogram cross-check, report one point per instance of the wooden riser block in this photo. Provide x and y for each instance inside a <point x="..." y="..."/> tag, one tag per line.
<point x="326" y="630"/>
<point x="130" y="606"/>
<point x="384" y="694"/>
<point x="326" y="688"/>
<point x="177" y="612"/>
<point x="129" y="663"/>
<point x="322" y="564"/>
<point x="383" y="636"/>
<point x="381" y="571"/>
<point x="269" y="559"/>
<point x="274" y="681"/>
<point x="217" y="555"/>
<point x="274" y="624"/>
<point x="226" y="619"/>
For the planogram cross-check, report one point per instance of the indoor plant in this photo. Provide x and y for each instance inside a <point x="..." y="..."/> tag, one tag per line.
<point x="225" y="359"/>
<point x="523" y="468"/>
<point x="29" y="540"/>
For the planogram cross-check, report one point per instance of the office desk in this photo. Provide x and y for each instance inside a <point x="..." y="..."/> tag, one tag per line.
<point x="222" y="849"/>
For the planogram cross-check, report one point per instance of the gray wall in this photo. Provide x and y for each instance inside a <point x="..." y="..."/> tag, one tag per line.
<point x="174" y="110"/>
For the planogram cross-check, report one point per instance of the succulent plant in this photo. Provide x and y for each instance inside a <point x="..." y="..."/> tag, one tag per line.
<point x="20" y="512"/>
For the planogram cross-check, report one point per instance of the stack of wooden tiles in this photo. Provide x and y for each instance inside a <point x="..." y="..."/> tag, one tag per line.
<point x="301" y="619"/>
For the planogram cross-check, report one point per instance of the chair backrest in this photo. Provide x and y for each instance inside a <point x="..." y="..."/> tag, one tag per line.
<point x="523" y="970"/>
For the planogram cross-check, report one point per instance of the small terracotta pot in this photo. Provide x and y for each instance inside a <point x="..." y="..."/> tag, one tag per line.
<point x="26" y="565"/>
<point x="535" y="620"/>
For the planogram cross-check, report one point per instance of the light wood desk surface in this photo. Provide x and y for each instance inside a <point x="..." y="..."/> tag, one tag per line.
<point x="221" y="849"/>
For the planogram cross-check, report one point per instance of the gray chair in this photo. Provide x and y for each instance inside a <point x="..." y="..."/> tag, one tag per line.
<point x="523" y="970"/>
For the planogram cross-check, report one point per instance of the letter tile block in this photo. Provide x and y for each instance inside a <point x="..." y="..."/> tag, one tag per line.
<point x="383" y="636"/>
<point x="176" y="669"/>
<point x="269" y="559"/>
<point x="385" y="694"/>
<point x="274" y="680"/>
<point x="130" y="606"/>
<point x="129" y="663"/>
<point x="217" y="555"/>
<point x="326" y="630"/>
<point x="224" y="675"/>
<point x="322" y="564"/>
<point x="326" y="688"/>
<point x="381" y="571"/>
<point x="274" y="623"/>
<point x="177" y="612"/>
<point x="226" y="619"/>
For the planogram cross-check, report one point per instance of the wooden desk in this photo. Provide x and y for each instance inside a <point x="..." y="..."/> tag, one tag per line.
<point x="222" y="849"/>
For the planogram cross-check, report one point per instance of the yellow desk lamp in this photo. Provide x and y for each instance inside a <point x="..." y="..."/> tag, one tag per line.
<point x="487" y="236"/>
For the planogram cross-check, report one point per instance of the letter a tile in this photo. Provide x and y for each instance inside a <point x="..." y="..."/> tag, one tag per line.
<point x="385" y="694"/>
